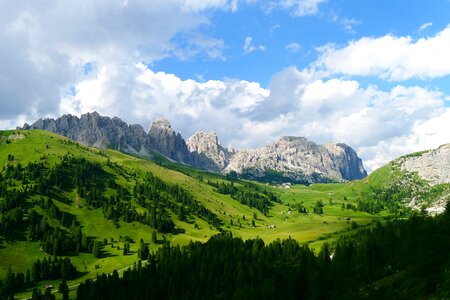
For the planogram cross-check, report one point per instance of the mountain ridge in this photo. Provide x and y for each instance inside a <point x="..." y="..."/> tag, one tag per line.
<point x="291" y="158"/>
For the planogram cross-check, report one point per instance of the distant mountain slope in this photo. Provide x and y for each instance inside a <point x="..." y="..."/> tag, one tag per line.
<point x="289" y="159"/>
<point x="301" y="160"/>
<point x="432" y="166"/>
<point x="207" y="144"/>
<point x="94" y="130"/>
<point x="418" y="181"/>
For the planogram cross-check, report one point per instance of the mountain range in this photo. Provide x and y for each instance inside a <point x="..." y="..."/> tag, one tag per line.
<point x="288" y="159"/>
<point x="101" y="202"/>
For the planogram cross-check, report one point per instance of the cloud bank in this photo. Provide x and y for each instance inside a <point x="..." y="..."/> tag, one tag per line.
<point x="80" y="56"/>
<point x="390" y="57"/>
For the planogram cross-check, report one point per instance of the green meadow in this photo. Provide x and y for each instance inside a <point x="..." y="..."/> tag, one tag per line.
<point x="282" y="221"/>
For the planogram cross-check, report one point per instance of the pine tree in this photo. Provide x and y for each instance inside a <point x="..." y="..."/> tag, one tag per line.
<point x="96" y="249"/>
<point x="154" y="237"/>
<point x="126" y="248"/>
<point x="64" y="289"/>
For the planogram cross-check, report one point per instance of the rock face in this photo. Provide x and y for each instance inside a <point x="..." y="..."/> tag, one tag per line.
<point x="162" y="138"/>
<point x="419" y="174"/>
<point x="93" y="130"/>
<point x="290" y="157"/>
<point x="207" y="144"/>
<point x="301" y="160"/>
<point x="432" y="166"/>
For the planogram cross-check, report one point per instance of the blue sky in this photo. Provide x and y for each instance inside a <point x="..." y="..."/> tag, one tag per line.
<point x="337" y="22"/>
<point x="372" y="74"/>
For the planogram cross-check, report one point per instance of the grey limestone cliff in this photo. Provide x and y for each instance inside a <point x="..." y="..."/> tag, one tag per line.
<point x="207" y="144"/>
<point x="301" y="160"/>
<point x="94" y="130"/>
<point x="432" y="166"/>
<point x="162" y="138"/>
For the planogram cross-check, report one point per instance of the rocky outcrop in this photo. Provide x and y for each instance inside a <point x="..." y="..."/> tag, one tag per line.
<point x="207" y="144"/>
<point x="290" y="157"/>
<point x="162" y="138"/>
<point x="301" y="160"/>
<point x="416" y="175"/>
<point x="94" y="130"/>
<point x="343" y="158"/>
<point x="432" y="166"/>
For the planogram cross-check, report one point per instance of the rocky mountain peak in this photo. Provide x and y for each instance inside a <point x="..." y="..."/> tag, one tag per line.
<point x="207" y="144"/>
<point x="163" y="139"/>
<point x="203" y="142"/>
<point x="301" y="160"/>
<point x="161" y="123"/>
<point x="293" y="142"/>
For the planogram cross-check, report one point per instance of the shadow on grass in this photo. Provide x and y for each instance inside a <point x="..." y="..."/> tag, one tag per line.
<point x="81" y="274"/>
<point x="179" y="231"/>
<point x="68" y="219"/>
<point x="55" y="194"/>
<point x="104" y="254"/>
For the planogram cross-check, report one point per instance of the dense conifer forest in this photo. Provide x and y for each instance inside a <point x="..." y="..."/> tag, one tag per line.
<point x="402" y="259"/>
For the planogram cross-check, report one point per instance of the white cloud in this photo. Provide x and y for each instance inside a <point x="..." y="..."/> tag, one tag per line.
<point x="425" y="26"/>
<point x="200" y="5"/>
<point x="293" y="47"/>
<point x="44" y="50"/>
<point x="424" y="134"/>
<point x="198" y="44"/>
<point x="46" y="43"/>
<point x="137" y="94"/>
<point x="249" y="47"/>
<point x="390" y="57"/>
<point x="299" y="8"/>
<point x="380" y="125"/>
<point x="340" y="110"/>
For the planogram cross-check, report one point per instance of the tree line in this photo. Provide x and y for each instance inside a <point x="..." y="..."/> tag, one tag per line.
<point x="247" y="194"/>
<point x="396" y="260"/>
<point x="45" y="269"/>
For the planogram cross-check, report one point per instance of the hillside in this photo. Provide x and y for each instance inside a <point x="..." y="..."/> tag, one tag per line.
<point x="62" y="198"/>
<point x="414" y="182"/>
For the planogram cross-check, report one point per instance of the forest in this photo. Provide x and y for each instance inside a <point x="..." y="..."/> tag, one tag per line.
<point x="38" y="184"/>
<point x="247" y="194"/>
<point x="401" y="259"/>
<point x="48" y="202"/>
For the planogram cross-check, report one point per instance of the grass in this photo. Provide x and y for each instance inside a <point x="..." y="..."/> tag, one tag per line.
<point x="32" y="146"/>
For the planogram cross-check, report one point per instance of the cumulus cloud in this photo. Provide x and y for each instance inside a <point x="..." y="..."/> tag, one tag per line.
<point x="189" y="104"/>
<point x="80" y="56"/>
<point x="390" y="57"/>
<point x="45" y="44"/>
<point x="379" y="124"/>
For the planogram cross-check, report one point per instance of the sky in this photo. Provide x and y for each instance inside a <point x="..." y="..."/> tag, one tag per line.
<point x="372" y="74"/>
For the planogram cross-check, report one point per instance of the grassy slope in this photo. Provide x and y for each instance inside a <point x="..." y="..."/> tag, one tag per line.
<point x="29" y="146"/>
